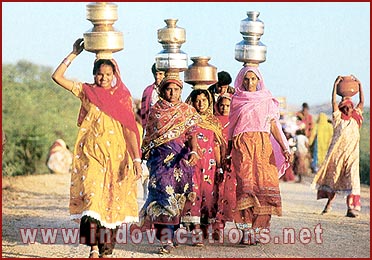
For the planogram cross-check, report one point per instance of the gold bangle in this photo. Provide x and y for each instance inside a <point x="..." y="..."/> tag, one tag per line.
<point x="66" y="61"/>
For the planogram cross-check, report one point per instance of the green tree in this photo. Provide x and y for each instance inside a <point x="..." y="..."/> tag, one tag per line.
<point x="364" y="163"/>
<point x="36" y="112"/>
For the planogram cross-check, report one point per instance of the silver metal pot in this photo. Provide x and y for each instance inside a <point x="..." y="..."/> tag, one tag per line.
<point x="171" y="38"/>
<point x="250" y="53"/>
<point x="251" y="50"/>
<point x="252" y="28"/>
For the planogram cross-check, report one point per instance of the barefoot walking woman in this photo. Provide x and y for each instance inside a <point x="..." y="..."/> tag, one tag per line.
<point x="339" y="173"/>
<point x="260" y="152"/>
<point x="107" y="160"/>
<point x="170" y="149"/>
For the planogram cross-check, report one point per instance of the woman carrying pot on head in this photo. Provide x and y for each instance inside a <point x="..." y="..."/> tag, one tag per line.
<point x="339" y="173"/>
<point x="227" y="188"/>
<point x="201" y="208"/>
<point x="259" y="152"/>
<point x="106" y="164"/>
<point x="169" y="147"/>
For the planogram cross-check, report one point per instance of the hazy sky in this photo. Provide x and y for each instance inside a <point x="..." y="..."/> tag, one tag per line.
<point x="308" y="44"/>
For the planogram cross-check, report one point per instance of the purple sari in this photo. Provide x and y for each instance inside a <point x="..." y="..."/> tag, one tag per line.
<point x="169" y="183"/>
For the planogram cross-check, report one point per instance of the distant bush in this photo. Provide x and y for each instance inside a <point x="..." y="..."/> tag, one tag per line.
<point x="364" y="163"/>
<point x="36" y="112"/>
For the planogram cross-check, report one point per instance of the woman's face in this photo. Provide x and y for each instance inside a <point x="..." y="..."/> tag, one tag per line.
<point x="250" y="81"/>
<point x="172" y="93"/>
<point x="222" y="89"/>
<point x="347" y="110"/>
<point x="104" y="76"/>
<point x="224" y="106"/>
<point x="159" y="75"/>
<point x="201" y="103"/>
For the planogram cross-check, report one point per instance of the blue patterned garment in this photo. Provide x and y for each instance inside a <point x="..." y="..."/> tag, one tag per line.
<point x="170" y="182"/>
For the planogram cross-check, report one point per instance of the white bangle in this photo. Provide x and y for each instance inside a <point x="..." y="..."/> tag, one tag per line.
<point x="66" y="61"/>
<point x="137" y="160"/>
<point x="193" y="152"/>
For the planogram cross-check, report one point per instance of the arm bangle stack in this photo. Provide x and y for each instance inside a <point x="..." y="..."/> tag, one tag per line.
<point x="137" y="160"/>
<point x="66" y="61"/>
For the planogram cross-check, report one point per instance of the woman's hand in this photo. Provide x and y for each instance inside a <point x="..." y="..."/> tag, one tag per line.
<point x="287" y="155"/>
<point x="337" y="81"/>
<point x="355" y="78"/>
<point x="219" y="175"/>
<point x="137" y="170"/>
<point x="361" y="95"/>
<point x="78" y="46"/>
<point x="226" y="163"/>
<point x="193" y="158"/>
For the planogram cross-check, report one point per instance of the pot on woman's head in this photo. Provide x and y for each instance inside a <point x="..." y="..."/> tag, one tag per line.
<point x="347" y="87"/>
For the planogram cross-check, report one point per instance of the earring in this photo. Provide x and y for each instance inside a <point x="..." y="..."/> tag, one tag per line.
<point x="114" y="81"/>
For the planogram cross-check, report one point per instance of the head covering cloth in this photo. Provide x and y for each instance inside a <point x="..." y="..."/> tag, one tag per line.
<point x="209" y="121"/>
<point x="168" y="121"/>
<point x="219" y="99"/>
<point x="355" y="115"/>
<point x="116" y="102"/>
<point x="168" y="80"/>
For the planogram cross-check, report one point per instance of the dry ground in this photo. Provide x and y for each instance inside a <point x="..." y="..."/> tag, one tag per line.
<point x="41" y="201"/>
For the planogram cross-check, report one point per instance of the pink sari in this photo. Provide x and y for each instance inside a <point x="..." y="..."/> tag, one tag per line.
<point x="253" y="112"/>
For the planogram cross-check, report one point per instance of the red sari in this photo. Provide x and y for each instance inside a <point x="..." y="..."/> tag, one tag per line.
<point x="227" y="188"/>
<point x="203" y="209"/>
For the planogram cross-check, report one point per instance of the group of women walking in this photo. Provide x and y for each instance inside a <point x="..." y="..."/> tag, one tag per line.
<point x="209" y="162"/>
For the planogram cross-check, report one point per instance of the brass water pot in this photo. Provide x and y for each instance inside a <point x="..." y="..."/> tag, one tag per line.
<point x="103" y="39"/>
<point x="201" y="74"/>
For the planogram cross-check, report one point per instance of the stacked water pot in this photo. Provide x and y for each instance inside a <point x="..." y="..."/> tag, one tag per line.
<point x="251" y="51"/>
<point x="103" y="39"/>
<point x="171" y="58"/>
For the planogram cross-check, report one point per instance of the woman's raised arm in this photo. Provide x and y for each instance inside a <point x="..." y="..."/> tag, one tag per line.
<point x="58" y="75"/>
<point x="361" y="95"/>
<point x="334" y="94"/>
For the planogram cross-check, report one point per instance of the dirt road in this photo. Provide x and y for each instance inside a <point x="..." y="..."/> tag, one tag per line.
<point x="40" y="202"/>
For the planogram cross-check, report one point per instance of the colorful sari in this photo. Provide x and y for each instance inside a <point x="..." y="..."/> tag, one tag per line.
<point x="167" y="154"/>
<point x="339" y="172"/>
<point x="103" y="192"/>
<point x="320" y="140"/>
<point x="59" y="159"/>
<point x="103" y="182"/>
<point x="256" y="156"/>
<point x="203" y="207"/>
<point x="147" y="97"/>
<point x="227" y="188"/>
